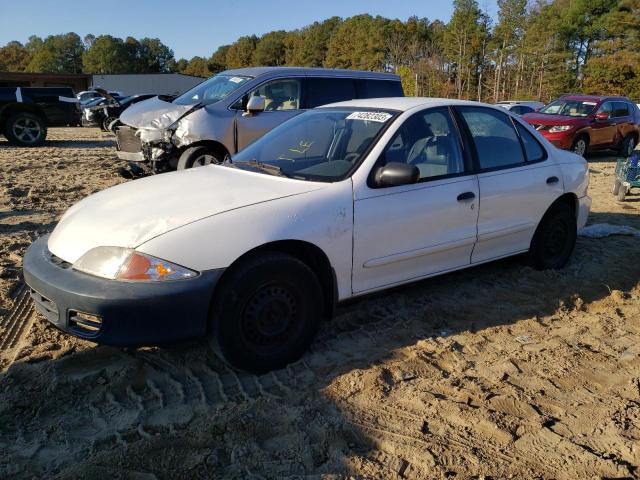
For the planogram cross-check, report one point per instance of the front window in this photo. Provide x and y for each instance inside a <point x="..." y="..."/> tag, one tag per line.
<point x="212" y="90"/>
<point x="569" y="108"/>
<point x="279" y="94"/>
<point x="323" y="145"/>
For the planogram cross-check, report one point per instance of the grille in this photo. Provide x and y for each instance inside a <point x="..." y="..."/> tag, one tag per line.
<point x="58" y="261"/>
<point x="84" y="324"/>
<point x="127" y="140"/>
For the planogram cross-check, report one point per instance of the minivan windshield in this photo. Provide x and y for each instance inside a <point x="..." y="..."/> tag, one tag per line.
<point x="570" y="108"/>
<point x="212" y="90"/>
<point x="323" y="144"/>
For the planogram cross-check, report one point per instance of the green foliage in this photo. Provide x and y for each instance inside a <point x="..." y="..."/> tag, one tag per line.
<point x="14" y="57"/>
<point x="358" y="43"/>
<point x="270" y="49"/>
<point x="240" y="54"/>
<point x="57" y="54"/>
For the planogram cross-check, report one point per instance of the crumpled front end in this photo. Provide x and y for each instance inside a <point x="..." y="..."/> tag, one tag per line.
<point x="146" y="134"/>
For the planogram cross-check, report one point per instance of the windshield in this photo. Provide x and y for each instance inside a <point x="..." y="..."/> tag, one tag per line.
<point x="570" y="108"/>
<point x="212" y="90"/>
<point x="323" y="144"/>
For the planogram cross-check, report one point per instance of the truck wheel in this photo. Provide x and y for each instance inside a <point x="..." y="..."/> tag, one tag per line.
<point x="616" y="187"/>
<point x="627" y="146"/>
<point x="199" y="157"/>
<point x="266" y="312"/>
<point x="622" y="193"/>
<point x="580" y="145"/>
<point x="554" y="239"/>
<point x="25" y="129"/>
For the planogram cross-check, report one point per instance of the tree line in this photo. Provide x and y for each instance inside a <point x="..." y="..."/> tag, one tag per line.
<point x="533" y="49"/>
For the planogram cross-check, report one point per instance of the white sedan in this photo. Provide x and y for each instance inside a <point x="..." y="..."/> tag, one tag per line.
<point x="340" y="201"/>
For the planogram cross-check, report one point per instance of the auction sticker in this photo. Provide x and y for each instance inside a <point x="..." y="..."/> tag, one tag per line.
<point x="370" y="116"/>
<point x="236" y="79"/>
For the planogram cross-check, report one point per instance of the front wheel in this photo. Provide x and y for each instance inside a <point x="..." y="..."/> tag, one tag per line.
<point x="580" y="146"/>
<point x="554" y="239"/>
<point x="266" y="312"/>
<point x="199" y="157"/>
<point x="25" y="129"/>
<point x="106" y="123"/>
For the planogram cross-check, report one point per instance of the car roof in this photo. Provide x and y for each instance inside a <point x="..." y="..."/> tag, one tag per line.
<point x="324" y="72"/>
<point x="597" y="98"/>
<point x="403" y="103"/>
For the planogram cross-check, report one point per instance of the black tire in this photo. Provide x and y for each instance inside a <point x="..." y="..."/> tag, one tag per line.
<point x="580" y="145"/>
<point x="25" y="129"/>
<point x="266" y="313"/>
<point x="554" y="239"/>
<point x="616" y="187"/>
<point x="198" y="157"/>
<point x="106" y="122"/>
<point x="622" y="193"/>
<point x="627" y="146"/>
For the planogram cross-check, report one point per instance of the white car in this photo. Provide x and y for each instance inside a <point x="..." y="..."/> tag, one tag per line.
<point x="340" y="201"/>
<point x="520" y="107"/>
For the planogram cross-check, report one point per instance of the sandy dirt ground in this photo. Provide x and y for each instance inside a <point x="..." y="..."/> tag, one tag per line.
<point x="496" y="372"/>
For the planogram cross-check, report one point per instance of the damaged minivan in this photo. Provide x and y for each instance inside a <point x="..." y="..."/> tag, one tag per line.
<point x="227" y="112"/>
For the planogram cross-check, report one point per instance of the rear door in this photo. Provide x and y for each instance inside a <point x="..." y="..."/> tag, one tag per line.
<point x="623" y="120"/>
<point x="402" y="233"/>
<point x="283" y="100"/>
<point x="517" y="182"/>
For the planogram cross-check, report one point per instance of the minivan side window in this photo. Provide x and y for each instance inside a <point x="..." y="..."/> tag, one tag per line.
<point x="321" y="91"/>
<point x="378" y="89"/>
<point x="283" y="94"/>
<point x="494" y="137"/>
<point x="620" y="109"/>
<point x="429" y="140"/>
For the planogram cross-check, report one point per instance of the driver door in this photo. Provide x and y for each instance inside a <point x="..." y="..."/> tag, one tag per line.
<point x="282" y="102"/>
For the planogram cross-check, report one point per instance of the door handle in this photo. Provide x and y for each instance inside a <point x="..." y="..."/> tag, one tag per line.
<point x="466" y="196"/>
<point x="552" y="180"/>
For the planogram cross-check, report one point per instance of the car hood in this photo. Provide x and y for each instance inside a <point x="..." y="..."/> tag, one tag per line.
<point x="546" y="119"/>
<point x="153" y="114"/>
<point x="132" y="213"/>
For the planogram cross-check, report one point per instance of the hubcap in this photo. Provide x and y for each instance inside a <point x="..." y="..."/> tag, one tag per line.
<point x="269" y="316"/>
<point x="580" y="147"/>
<point x="204" y="160"/>
<point x="555" y="239"/>
<point x="630" y="147"/>
<point x="26" y="130"/>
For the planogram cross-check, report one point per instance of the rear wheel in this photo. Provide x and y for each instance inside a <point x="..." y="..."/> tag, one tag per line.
<point x="580" y="145"/>
<point x="26" y="129"/>
<point x="627" y="146"/>
<point x="554" y="239"/>
<point x="199" y="157"/>
<point x="266" y="312"/>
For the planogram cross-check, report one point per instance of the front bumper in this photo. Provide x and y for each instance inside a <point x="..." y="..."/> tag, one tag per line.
<point x="584" y="207"/>
<point x="563" y="140"/>
<point x="119" y="313"/>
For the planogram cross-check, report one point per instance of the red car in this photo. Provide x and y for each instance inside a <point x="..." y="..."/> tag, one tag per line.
<point x="583" y="123"/>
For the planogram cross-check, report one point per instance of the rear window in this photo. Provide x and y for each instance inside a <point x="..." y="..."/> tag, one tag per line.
<point x="532" y="148"/>
<point x="321" y="91"/>
<point x="378" y="89"/>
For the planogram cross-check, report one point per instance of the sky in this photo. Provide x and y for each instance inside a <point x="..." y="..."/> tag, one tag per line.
<point x="197" y="27"/>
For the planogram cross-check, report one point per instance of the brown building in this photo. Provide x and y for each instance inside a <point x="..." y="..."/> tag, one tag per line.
<point x="78" y="82"/>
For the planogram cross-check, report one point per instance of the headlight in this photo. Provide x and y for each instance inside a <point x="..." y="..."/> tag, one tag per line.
<point x="117" y="263"/>
<point x="560" y="128"/>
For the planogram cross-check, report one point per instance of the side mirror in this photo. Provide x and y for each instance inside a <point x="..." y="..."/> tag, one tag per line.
<point x="394" y="174"/>
<point x="254" y="105"/>
<point x="602" y="116"/>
